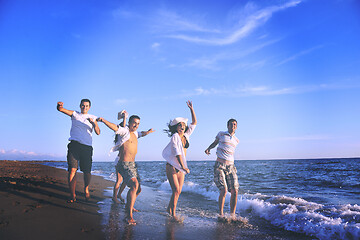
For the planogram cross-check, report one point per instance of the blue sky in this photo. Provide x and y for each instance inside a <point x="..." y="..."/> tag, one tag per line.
<point x="288" y="71"/>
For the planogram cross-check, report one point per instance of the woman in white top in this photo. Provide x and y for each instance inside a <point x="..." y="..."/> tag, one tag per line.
<point x="175" y="155"/>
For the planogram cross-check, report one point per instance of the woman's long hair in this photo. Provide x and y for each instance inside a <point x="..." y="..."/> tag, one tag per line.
<point x="172" y="129"/>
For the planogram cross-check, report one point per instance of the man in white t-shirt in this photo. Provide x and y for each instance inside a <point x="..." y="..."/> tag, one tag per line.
<point x="225" y="173"/>
<point x="80" y="147"/>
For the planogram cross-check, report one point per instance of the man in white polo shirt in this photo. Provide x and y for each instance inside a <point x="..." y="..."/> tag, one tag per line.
<point x="80" y="147"/>
<point x="225" y="176"/>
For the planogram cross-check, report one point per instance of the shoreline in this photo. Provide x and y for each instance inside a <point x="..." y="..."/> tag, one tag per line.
<point x="34" y="203"/>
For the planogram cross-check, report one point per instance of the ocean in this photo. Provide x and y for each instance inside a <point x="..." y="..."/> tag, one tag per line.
<point x="316" y="198"/>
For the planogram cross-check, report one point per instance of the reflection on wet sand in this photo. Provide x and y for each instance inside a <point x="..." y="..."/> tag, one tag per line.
<point x="113" y="228"/>
<point x="172" y="227"/>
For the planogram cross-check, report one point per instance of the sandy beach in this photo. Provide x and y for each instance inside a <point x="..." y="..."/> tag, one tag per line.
<point x="34" y="204"/>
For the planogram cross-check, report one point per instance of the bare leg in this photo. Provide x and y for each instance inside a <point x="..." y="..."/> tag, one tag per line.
<point x="176" y="181"/>
<point x="130" y="200"/>
<point x="72" y="183"/>
<point x="137" y="194"/>
<point x="233" y="201"/>
<point x="116" y="187"/>
<point x="122" y="187"/>
<point x="222" y="201"/>
<point x="87" y="179"/>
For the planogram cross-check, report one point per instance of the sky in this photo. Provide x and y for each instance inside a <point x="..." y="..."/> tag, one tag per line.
<point x="288" y="71"/>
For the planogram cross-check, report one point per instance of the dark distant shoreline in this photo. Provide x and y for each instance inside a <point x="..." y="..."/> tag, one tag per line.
<point x="275" y="159"/>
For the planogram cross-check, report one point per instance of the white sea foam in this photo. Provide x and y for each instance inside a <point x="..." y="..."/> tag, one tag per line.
<point x="191" y="187"/>
<point x="290" y="213"/>
<point x="299" y="215"/>
<point x="97" y="172"/>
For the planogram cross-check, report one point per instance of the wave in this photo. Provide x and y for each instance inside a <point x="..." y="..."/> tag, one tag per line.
<point x="299" y="215"/>
<point x="291" y="213"/>
<point x="194" y="188"/>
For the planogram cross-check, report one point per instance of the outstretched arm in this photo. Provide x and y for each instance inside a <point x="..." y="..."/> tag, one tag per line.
<point x="144" y="133"/>
<point x="110" y="125"/>
<point x="193" y="116"/>
<point x="60" y="108"/>
<point x="207" y="151"/>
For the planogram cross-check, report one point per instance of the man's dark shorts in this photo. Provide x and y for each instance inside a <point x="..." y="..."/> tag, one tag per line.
<point x="78" y="152"/>
<point x="128" y="170"/>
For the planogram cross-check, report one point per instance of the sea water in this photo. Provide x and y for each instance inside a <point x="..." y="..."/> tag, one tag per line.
<point x="316" y="197"/>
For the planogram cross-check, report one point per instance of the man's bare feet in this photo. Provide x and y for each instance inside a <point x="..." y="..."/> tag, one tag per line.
<point x="130" y="221"/>
<point x="115" y="200"/>
<point x="87" y="194"/>
<point x="71" y="200"/>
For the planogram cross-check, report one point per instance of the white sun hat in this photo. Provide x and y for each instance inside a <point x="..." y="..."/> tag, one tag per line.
<point x="178" y="120"/>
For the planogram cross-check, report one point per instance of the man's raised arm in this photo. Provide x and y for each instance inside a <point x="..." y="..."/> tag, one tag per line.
<point x="60" y="108"/>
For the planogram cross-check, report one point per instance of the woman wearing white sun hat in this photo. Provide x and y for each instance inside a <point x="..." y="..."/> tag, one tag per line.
<point x="175" y="155"/>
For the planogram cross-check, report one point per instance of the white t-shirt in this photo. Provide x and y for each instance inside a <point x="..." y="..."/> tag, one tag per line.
<point x="175" y="148"/>
<point x="81" y="128"/>
<point x="227" y="145"/>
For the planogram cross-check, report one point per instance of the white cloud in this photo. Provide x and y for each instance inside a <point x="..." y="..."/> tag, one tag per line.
<point x="300" y="54"/>
<point x="155" y="46"/>
<point x="261" y="90"/>
<point x="250" y="66"/>
<point x="213" y="62"/>
<point x="121" y="101"/>
<point x="168" y="21"/>
<point x="252" y="22"/>
<point x="204" y="63"/>
<point x="16" y="154"/>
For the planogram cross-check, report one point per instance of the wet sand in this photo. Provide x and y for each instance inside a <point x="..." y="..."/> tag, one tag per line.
<point x="33" y="204"/>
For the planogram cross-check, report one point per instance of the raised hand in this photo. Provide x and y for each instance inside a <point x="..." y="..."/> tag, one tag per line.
<point x="59" y="105"/>
<point x="193" y="116"/>
<point x="189" y="104"/>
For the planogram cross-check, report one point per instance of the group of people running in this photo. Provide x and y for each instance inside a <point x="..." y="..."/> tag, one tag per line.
<point x="80" y="152"/>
